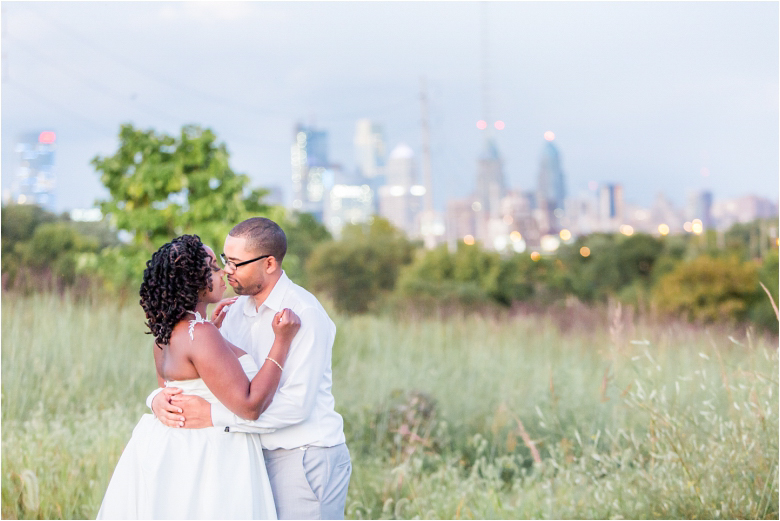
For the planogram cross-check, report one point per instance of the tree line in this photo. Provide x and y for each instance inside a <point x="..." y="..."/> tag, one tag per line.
<point x="161" y="186"/>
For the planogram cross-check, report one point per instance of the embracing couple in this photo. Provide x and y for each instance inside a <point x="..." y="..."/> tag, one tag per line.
<point x="244" y="424"/>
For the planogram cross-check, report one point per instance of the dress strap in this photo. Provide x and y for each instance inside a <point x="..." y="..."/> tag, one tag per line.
<point x="197" y="320"/>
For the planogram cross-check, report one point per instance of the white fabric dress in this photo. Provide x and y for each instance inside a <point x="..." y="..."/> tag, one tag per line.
<point x="168" y="473"/>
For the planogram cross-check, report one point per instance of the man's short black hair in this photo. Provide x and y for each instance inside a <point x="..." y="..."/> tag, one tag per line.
<point x="263" y="236"/>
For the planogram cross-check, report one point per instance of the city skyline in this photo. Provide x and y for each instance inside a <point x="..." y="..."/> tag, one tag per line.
<point x="704" y="116"/>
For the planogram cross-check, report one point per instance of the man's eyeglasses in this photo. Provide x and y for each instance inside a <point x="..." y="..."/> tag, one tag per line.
<point x="229" y="264"/>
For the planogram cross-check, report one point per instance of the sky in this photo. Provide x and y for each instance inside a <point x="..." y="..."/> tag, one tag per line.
<point x="669" y="97"/>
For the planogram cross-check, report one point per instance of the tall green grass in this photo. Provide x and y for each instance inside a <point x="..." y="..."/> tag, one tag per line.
<point x="465" y="417"/>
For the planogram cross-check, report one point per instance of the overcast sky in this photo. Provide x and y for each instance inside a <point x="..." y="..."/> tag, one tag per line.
<point x="650" y="95"/>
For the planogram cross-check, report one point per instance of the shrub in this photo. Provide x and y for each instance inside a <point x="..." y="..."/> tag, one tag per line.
<point x="708" y="289"/>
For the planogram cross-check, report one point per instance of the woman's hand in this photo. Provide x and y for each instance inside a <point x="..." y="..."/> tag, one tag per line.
<point x="221" y="311"/>
<point x="285" y="325"/>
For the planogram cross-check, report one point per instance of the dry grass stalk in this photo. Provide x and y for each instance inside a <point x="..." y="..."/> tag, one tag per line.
<point x="528" y="442"/>
<point x="774" y="306"/>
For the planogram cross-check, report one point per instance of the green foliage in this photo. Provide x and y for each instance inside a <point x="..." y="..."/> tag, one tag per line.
<point x="303" y="233"/>
<point x="361" y="267"/>
<point x="42" y="251"/>
<point x="161" y="186"/>
<point x="708" y="289"/>
<point x="761" y="311"/>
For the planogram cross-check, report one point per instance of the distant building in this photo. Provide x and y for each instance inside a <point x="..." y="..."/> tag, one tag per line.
<point x="664" y="212"/>
<point x="311" y="173"/>
<point x="744" y="209"/>
<point x="611" y="207"/>
<point x="491" y="186"/>
<point x="275" y="195"/>
<point x="551" y="188"/>
<point x="460" y="220"/>
<point x="370" y="150"/>
<point x="36" y="181"/>
<point x="401" y="199"/>
<point x="348" y="204"/>
<point x="700" y="207"/>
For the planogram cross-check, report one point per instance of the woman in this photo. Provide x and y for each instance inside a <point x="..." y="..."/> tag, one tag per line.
<point x="167" y="473"/>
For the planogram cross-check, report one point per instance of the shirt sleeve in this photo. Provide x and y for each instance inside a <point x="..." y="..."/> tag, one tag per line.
<point x="151" y="397"/>
<point x="303" y="373"/>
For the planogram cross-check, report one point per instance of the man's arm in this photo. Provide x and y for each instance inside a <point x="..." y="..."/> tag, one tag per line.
<point x="303" y="373"/>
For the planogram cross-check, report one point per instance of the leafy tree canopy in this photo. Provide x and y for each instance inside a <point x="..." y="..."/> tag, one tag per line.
<point x="161" y="186"/>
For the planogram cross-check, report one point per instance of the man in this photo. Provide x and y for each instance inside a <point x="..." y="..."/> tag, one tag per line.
<point x="302" y="435"/>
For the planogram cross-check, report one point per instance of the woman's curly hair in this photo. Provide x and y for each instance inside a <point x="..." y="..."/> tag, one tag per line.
<point x="173" y="278"/>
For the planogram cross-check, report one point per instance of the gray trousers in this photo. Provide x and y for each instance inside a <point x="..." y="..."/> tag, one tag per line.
<point x="309" y="482"/>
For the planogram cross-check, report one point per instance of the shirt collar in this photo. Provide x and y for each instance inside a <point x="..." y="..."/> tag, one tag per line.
<point x="274" y="299"/>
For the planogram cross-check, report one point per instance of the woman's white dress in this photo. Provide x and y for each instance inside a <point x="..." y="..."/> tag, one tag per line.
<point x="168" y="473"/>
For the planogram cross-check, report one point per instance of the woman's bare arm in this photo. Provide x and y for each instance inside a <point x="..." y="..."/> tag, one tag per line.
<point x="222" y="372"/>
<point x="158" y="360"/>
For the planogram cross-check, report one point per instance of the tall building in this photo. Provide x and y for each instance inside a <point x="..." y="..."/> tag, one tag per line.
<point x="700" y="207"/>
<point x="311" y="174"/>
<point x="369" y="149"/>
<point x="460" y="220"/>
<point x="401" y="199"/>
<point x="611" y="207"/>
<point x="347" y="204"/>
<point x="491" y="186"/>
<point x="35" y="181"/>
<point x="551" y="188"/>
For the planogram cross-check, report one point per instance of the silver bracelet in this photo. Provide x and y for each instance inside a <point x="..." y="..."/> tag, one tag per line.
<point x="274" y="361"/>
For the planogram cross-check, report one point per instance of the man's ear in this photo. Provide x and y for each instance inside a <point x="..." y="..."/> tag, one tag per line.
<point x="272" y="266"/>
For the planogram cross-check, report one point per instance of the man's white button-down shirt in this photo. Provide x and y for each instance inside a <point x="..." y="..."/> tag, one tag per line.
<point x="302" y="411"/>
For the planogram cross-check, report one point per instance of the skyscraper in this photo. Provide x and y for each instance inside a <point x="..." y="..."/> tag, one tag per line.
<point x="551" y="189"/>
<point x="35" y="179"/>
<point x="400" y="200"/>
<point x="491" y="187"/>
<point x="310" y="170"/>
<point x="369" y="149"/>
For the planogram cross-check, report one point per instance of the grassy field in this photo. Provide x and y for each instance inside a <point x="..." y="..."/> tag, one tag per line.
<point x="454" y="418"/>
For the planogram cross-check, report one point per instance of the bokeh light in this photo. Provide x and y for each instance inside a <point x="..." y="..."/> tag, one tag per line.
<point x="585" y="251"/>
<point x="482" y="124"/>
<point x="688" y="227"/>
<point x="515" y="236"/>
<point x="468" y="239"/>
<point x="549" y="135"/>
<point x="663" y="229"/>
<point x="535" y="256"/>
<point x="565" y="234"/>
<point x="499" y="125"/>
<point x="626" y="229"/>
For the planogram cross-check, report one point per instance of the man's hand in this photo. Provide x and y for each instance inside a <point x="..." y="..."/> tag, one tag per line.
<point x="195" y="409"/>
<point x="221" y="310"/>
<point x="167" y="413"/>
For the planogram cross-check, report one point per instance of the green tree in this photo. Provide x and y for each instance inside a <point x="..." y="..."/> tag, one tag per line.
<point x="360" y="268"/>
<point x="708" y="289"/>
<point x="56" y="248"/>
<point x="161" y="186"/>
<point x="17" y="224"/>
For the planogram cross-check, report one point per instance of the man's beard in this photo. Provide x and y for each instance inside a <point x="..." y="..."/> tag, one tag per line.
<point x="247" y="290"/>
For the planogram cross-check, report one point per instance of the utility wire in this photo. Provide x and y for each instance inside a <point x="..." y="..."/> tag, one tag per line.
<point x="243" y="107"/>
<point x="36" y="96"/>
<point x="67" y="71"/>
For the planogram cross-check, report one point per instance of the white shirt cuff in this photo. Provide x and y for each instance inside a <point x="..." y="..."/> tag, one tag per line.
<point x="221" y="416"/>
<point x="150" y="398"/>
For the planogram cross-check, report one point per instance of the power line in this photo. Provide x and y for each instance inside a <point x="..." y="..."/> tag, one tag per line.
<point x="40" y="98"/>
<point x="67" y="71"/>
<point x="123" y="61"/>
